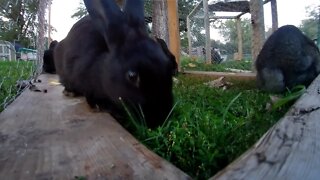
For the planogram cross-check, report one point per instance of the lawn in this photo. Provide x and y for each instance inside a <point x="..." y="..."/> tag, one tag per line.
<point x="10" y="73"/>
<point x="210" y="127"/>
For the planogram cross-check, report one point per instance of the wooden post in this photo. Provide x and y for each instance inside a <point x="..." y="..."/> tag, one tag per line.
<point x="174" y="34"/>
<point x="257" y="21"/>
<point x="189" y="35"/>
<point x="207" y="31"/>
<point x="239" y="30"/>
<point x="274" y="13"/>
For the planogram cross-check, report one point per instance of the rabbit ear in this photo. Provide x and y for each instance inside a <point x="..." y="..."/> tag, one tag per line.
<point x="134" y="12"/>
<point x="108" y="19"/>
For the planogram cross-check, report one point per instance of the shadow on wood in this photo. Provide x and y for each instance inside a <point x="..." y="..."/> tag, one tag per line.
<point x="50" y="136"/>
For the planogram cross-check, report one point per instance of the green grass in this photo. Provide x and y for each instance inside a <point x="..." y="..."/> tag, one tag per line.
<point x="199" y="65"/>
<point x="10" y="73"/>
<point x="209" y="128"/>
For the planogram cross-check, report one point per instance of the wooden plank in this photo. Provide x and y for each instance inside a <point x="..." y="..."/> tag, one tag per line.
<point x="289" y="150"/>
<point x="231" y="75"/>
<point x="50" y="136"/>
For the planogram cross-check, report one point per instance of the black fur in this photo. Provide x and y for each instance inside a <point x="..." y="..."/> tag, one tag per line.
<point x="108" y="55"/>
<point x="171" y="57"/>
<point x="48" y="62"/>
<point x="288" y="58"/>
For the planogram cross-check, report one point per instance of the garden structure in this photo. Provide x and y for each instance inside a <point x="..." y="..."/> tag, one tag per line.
<point x="46" y="135"/>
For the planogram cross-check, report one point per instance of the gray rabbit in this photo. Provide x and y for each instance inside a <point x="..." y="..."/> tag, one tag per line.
<point x="288" y="58"/>
<point x="109" y="58"/>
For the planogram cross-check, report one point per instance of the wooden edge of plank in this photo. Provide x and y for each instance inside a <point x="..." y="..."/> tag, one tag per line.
<point x="228" y="75"/>
<point x="45" y="135"/>
<point x="288" y="150"/>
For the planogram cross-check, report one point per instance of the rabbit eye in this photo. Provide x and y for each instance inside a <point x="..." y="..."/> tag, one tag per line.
<point x="133" y="77"/>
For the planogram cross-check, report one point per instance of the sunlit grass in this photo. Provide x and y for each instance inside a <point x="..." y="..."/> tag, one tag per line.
<point x="210" y="127"/>
<point x="10" y="73"/>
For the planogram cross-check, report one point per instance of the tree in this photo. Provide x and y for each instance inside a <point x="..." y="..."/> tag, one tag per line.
<point x="309" y="26"/>
<point x="80" y="12"/>
<point x="184" y="8"/>
<point x="18" y="20"/>
<point x="228" y="30"/>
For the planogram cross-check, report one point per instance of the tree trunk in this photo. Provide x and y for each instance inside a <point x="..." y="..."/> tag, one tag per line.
<point x="207" y="31"/>
<point x="274" y="13"/>
<point x="240" y="48"/>
<point x="257" y="21"/>
<point x="160" y="20"/>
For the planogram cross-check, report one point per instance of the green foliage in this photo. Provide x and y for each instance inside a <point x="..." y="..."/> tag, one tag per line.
<point x="18" y="21"/>
<point x="289" y="96"/>
<point x="80" y="12"/>
<point x="10" y="73"/>
<point x="228" y="30"/>
<point x="210" y="127"/>
<point x="310" y="26"/>
<point x="198" y="65"/>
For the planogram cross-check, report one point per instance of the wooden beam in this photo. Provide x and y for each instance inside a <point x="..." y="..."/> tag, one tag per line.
<point x="289" y="150"/>
<point x="45" y="135"/>
<point x="207" y="31"/>
<point x="216" y="17"/>
<point x="228" y="75"/>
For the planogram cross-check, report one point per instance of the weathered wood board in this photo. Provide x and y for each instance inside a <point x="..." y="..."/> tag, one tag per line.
<point x="50" y="136"/>
<point x="289" y="150"/>
<point x="238" y="75"/>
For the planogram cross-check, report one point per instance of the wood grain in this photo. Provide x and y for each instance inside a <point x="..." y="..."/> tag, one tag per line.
<point x="50" y="136"/>
<point x="232" y="75"/>
<point x="289" y="150"/>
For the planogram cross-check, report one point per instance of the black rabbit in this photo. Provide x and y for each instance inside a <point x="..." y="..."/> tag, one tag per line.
<point x="288" y="58"/>
<point x="48" y="62"/>
<point x="171" y="57"/>
<point x="108" y="57"/>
